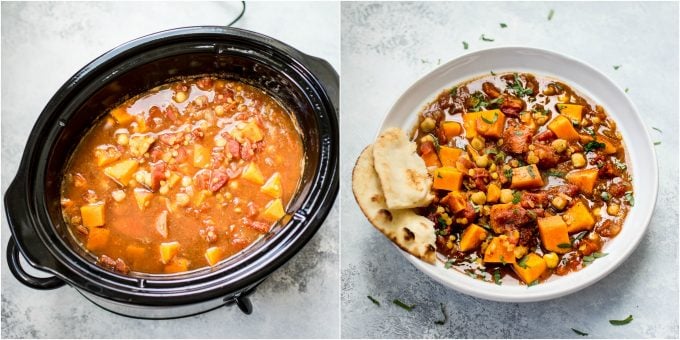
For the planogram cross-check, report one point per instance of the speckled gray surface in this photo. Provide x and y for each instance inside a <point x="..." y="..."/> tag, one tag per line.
<point x="43" y="44"/>
<point x="387" y="46"/>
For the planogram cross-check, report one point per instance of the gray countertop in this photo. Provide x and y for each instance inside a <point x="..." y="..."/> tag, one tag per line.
<point x="388" y="46"/>
<point x="43" y="44"/>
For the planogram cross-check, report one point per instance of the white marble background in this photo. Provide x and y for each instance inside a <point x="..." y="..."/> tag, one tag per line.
<point x="43" y="44"/>
<point x="388" y="46"/>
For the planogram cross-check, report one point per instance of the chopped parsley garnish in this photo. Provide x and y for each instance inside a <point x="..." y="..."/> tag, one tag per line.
<point x="403" y="305"/>
<point x="446" y="317"/>
<point x="618" y="164"/>
<point x="590" y="131"/>
<point x="478" y="101"/>
<point x="616" y="67"/>
<point x="578" y="236"/>
<point x="376" y="302"/>
<point x="498" y="100"/>
<point x="454" y="91"/>
<point x="503" y="25"/>
<point x="520" y="91"/>
<point x="491" y="151"/>
<point x="441" y="221"/>
<point x="497" y="277"/>
<point x="657" y="143"/>
<point x="579" y="332"/>
<point x="657" y="129"/>
<point x="465" y="45"/>
<point x="523" y="262"/>
<point x="531" y="172"/>
<point x="493" y="120"/>
<point x="564" y="245"/>
<point x="516" y="197"/>
<point x="435" y="140"/>
<point x="629" y="198"/>
<point x="592" y="257"/>
<point x="550" y="14"/>
<point x="532" y="215"/>
<point x="555" y="173"/>
<point x="533" y="283"/>
<point x="592" y="145"/>
<point x="501" y="157"/>
<point x="626" y="90"/>
<point x="448" y="264"/>
<point x="484" y="38"/>
<point x="503" y="260"/>
<point x="492" y="73"/>
<point x="605" y="196"/>
<point x="622" y="322"/>
<point x="508" y="173"/>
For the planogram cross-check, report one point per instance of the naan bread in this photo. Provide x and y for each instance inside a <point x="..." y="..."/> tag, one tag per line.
<point x="410" y="231"/>
<point x="403" y="174"/>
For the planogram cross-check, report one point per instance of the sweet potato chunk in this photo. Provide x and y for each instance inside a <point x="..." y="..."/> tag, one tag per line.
<point x="585" y="179"/>
<point x="201" y="156"/>
<point x="106" y="154"/>
<point x="431" y="159"/>
<point x="177" y="265"/>
<point x="490" y="123"/>
<point x="456" y="201"/>
<point x="168" y="250"/>
<point x="273" y="211"/>
<point x="97" y="238"/>
<point x="93" y="214"/>
<point x="451" y="129"/>
<point x="140" y="144"/>
<point x="273" y="186"/>
<point x="253" y="174"/>
<point x="530" y="268"/>
<point x="470" y="124"/>
<point x="563" y="128"/>
<point x="135" y="252"/>
<point x="142" y="197"/>
<point x="578" y="218"/>
<point x="213" y="255"/>
<point x="500" y="250"/>
<point x="447" y="178"/>
<point x="554" y="235"/>
<point x="493" y="193"/>
<point x="572" y="111"/>
<point x="526" y="177"/>
<point x="448" y="155"/>
<point x="122" y="171"/>
<point x="121" y="115"/>
<point x="472" y="237"/>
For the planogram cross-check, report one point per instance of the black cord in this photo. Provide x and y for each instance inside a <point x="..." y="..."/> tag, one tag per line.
<point x="243" y="10"/>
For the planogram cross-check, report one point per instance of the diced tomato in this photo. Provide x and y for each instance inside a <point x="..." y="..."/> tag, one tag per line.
<point x="157" y="175"/>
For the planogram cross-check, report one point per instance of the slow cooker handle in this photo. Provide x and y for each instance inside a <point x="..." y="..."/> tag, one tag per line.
<point x="328" y="76"/>
<point x="22" y="276"/>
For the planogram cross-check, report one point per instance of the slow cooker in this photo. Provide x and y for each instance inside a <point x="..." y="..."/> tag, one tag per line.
<point x="306" y="85"/>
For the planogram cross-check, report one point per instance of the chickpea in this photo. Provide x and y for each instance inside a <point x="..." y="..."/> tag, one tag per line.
<point x="482" y="161"/>
<point x="520" y="251"/>
<point x="494" y="175"/>
<point x="532" y="158"/>
<point x="118" y="195"/>
<point x="182" y="199"/>
<point x="181" y="96"/>
<point x="558" y="202"/>
<point x="578" y="160"/>
<point x="559" y="145"/>
<point x="551" y="260"/>
<point x="477" y="143"/>
<point x="506" y="196"/>
<point x="233" y="185"/>
<point x="428" y="124"/>
<point x="478" y="198"/>
<point x="613" y="209"/>
<point x="426" y="139"/>
<point x="493" y="167"/>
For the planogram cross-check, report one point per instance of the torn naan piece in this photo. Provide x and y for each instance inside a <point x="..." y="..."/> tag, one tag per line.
<point x="403" y="175"/>
<point x="410" y="231"/>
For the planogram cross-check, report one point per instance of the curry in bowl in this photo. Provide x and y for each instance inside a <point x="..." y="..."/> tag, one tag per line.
<point x="528" y="179"/>
<point x="182" y="176"/>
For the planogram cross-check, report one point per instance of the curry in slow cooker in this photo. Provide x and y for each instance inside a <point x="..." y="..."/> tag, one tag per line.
<point x="530" y="177"/>
<point x="182" y="176"/>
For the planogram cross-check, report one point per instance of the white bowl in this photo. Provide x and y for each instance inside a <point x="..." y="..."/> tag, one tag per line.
<point x="596" y="86"/>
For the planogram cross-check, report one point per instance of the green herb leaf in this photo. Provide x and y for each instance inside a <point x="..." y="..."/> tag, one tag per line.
<point x="622" y="322"/>
<point x="373" y="300"/>
<point x="490" y="151"/>
<point x="579" y="332"/>
<point x="465" y="45"/>
<point x="516" y="197"/>
<point x="403" y="305"/>
<point x="503" y="260"/>
<point x="442" y="222"/>
<point x="446" y="317"/>
<point x="657" y="143"/>
<point x="520" y="90"/>
<point x="619" y="165"/>
<point x="533" y="283"/>
<point x="492" y="73"/>
<point x="626" y="90"/>
<point x="493" y="120"/>
<point x="550" y="14"/>
<point x="616" y="67"/>
<point x="448" y="264"/>
<point x="523" y="262"/>
<point x="657" y="129"/>
<point x="578" y="237"/>
<point x="503" y="25"/>
<point x="555" y="173"/>
<point x="499" y="101"/>
<point x="598" y="254"/>
<point x="592" y="145"/>
<point x="454" y="91"/>
<point x="564" y="245"/>
<point x="629" y="198"/>
<point x="484" y="38"/>
<point x="531" y="172"/>
<point x="435" y="140"/>
<point x="497" y="277"/>
<point x="508" y="174"/>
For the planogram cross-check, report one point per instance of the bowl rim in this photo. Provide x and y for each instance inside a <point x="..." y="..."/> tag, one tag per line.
<point x="315" y="206"/>
<point x="498" y="293"/>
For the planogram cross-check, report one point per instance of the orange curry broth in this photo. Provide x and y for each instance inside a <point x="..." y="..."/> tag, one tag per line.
<point x="203" y="189"/>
